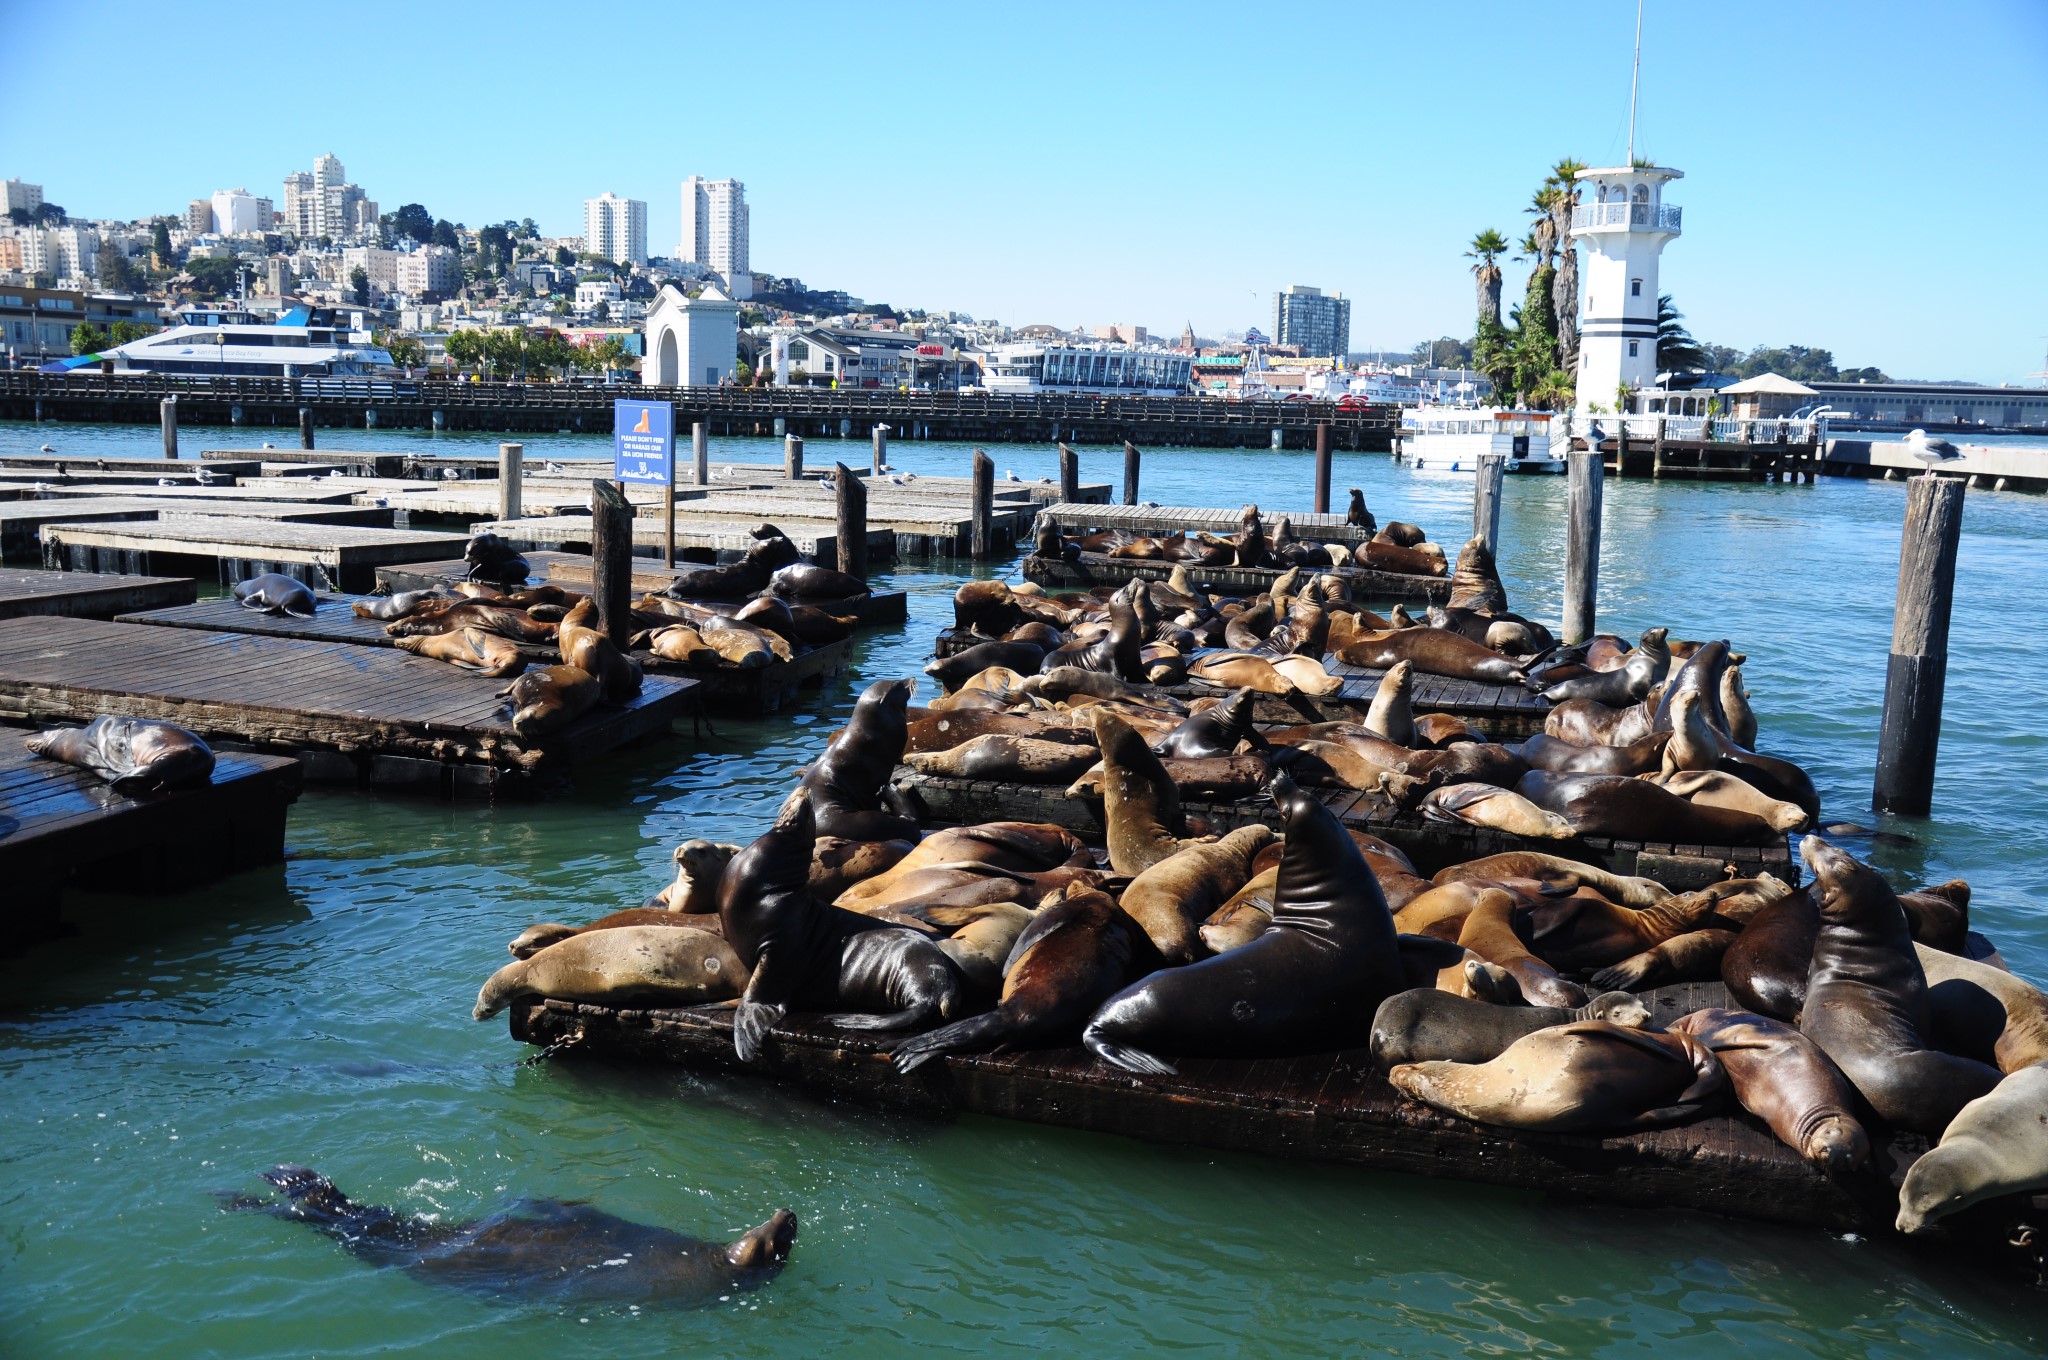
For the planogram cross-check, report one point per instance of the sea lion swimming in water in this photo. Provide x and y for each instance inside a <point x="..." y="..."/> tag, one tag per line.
<point x="273" y="593"/>
<point x="1307" y="983"/>
<point x="543" y="1249"/>
<point x="135" y="755"/>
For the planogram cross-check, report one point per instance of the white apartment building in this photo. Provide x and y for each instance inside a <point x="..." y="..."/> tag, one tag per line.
<point x="590" y="292"/>
<point x="380" y="265"/>
<point x="27" y="197"/>
<point x="716" y="226"/>
<point x="237" y="212"/>
<point x="199" y="216"/>
<point x="616" y="228"/>
<point x="430" y="269"/>
<point x="321" y="202"/>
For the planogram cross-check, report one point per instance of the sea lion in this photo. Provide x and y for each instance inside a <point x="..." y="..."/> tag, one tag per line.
<point x="1712" y="788"/>
<point x="685" y="645"/>
<point x="1215" y="731"/>
<point x="395" y="606"/>
<point x="700" y="865"/>
<point x="543" y="1250"/>
<point x="1691" y="956"/>
<point x="1071" y="957"/>
<point x="272" y="593"/>
<point x="737" y="580"/>
<point x="986" y="608"/>
<point x="802" y="953"/>
<point x="1012" y="847"/>
<point x="1984" y="1012"/>
<point x="470" y="649"/>
<point x="1140" y="803"/>
<point x="494" y="561"/>
<point x="1636" y="810"/>
<point x="1021" y="657"/>
<point x="1735" y="707"/>
<point x="1475" y="580"/>
<point x="1587" y="1076"/>
<point x="488" y="616"/>
<point x="590" y="650"/>
<point x="549" y="699"/>
<point x="1585" y="722"/>
<point x="1441" y="731"/>
<point x="1063" y="683"/>
<point x="1357" y="516"/>
<point x="1555" y="869"/>
<point x="1584" y="931"/>
<point x="1994" y="1146"/>
<point x="837" y="864"/>
<point x="1118" y="652"/>
<point x="1649" y="663"/>
<point x="1172" y="897"/>
<point x="1426" y="1024"/>
<point x="1767" y="965"/>
<point x="1489" y="932"/>
<point x="1782" y="1078"/>
<point x="1267" y="675"/>
<point x="1940" y="915"/>
<point x="1866" y="1000"/>
<point x="1391" y="715"/>
<point x="847" y="781"/>
<point x="1693" y="744"/>
<point x="979" y="948"/>
<point x="1307" y="984"/>
<point x="948" y="728"/>
<point x="1024" y="760"/>
<point x="540" y="935"/>
<point x="1247" y="914"/>
<point x="1545" y="752"/>
<point x="661" y="965"/>
<point x="135" y="755"/>
<point x="1489" y="806"/>
<point x="1433" y="651"/>
<point x="1382" y="554"/>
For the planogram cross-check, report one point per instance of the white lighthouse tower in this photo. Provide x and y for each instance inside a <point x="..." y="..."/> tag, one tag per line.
<point x="1624" y="222"/>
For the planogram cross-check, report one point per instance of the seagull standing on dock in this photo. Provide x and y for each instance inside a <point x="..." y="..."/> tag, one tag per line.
<point x="1010" y="475"/>
<point x="1931" y="450"/>
<point x="47" y="448"/>
<point x="165" y="481"/>
<point x="828" y="484"/>
<point x="268" y="445"/>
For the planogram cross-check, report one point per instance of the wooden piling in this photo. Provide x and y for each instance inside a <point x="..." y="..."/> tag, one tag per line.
<point x="1657" y="452"/>
<point x="1070" y="476"/>
<point x="1130" y="473"/>
<point x="1621" y="449"/>
<point x="1322" y="467"/>
<point x="879" y="457"/>
<point x="167" y="413"/>
<point x="700" y="452"/>
<point x="611" y="560"/>
<point x="982" y="532"/>
<point x="792" y="456"/>
<point x="1917" y="671"/>
<point x="305" y="427"/>
<point x="1486" y="489"/>
<point x="850" y="531"/>
<point x="1582" y="543"/>
<point x="511" y="483"/>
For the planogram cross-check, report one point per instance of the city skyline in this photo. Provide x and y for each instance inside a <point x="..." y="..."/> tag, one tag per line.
<point x="1815" y="165"/>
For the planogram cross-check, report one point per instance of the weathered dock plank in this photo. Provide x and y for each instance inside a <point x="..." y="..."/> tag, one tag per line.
<point x="333" y="556"/>
<point x="359" y="714"/>
<point x="82" y="596"/>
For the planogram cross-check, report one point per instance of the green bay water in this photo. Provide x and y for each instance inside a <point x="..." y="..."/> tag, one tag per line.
<point x="318" y="1012"/>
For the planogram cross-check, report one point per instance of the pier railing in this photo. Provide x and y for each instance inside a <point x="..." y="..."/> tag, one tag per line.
<point x="1720" y="430"/>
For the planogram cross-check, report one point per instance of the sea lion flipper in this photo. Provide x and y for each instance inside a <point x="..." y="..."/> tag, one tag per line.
<point x="867" y="1020"/>
<point x="752" y="1024"/>
<point x="1132" y="1059"/>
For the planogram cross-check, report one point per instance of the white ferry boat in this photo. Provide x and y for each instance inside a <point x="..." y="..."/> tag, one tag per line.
<point x="1452" y="439"/>
<point x="303" y="342"/>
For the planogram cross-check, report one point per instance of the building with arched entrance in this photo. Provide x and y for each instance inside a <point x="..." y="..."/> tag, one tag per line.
<point x="690" y="341"/>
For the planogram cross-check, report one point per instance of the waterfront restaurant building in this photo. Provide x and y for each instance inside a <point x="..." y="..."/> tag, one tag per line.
<point x="1082" y="366"/>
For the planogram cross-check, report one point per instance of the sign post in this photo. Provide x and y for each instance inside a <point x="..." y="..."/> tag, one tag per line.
<point x="644" y="452"/>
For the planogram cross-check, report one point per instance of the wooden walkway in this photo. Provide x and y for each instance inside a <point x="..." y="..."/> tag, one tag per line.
<point x="1099" y="569"/>
<point x="331" y="556"/>
<point x="373" y="716"/>
<point x="1432" y="845"/>
<point x="1181" y="519"/>
<point x="61" y="825"/>
<point x="1327" y="1107"/>
<point x="78" y="595"/>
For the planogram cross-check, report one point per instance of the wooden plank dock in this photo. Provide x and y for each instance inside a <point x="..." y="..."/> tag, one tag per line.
<point x="241" y="465"/>
<point x="80" y="595"/>
<point x="1432" y="845"/>
<point x="571" y="533"/>
<point x="261" y="490"/>
<point x="1368" y="586"/>
<point x="331" y="556"/>
<point x="1180" y="519"/>
<point x="1329" y="1107"/>
<point x="60" y="825"/>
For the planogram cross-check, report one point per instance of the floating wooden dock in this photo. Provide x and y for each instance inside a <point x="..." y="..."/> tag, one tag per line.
<point x="1154" y="520"/>
<point x="1327" y="1107"/>
<point x="260" y="490"/>
<point x="79" y="595"/>
<point x="47" y="464"/>
<point x="60" y="825"/>
<point x="229" y="549"/>
<point x="1432" y="845"/>
<point x="1368" y="586"/>
<point x="370" y="716"/>
<point x="571" y="533"/>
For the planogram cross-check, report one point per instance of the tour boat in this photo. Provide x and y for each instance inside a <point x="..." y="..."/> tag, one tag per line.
<point x="1452" y="439"/>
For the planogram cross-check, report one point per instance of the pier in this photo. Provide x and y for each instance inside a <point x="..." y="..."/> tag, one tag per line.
<point x="79" y="595"/>
<point x="229" y="549"/>
<point x="1087" y="570"/>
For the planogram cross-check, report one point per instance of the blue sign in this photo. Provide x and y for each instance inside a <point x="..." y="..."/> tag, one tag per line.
<point x="643" y="441"/>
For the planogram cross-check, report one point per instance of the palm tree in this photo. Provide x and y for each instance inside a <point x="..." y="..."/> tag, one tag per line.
<point x="1487" y="248"/>
<point x="1543" y="233"/>
<point x="1676" y="349"/>
<point x="1564" y="287"/>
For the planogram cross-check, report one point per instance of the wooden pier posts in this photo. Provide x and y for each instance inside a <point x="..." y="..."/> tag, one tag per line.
<point x="1657" y="452"/>
<point x="167" y="413"/>
<point x="793" y="456"/>
<point x="511" y="481"/>
<point x="1582" y="543"/>
<point x="1621" y="449"/>
<point x="1486" y="489"/>
<point x="1130" y="473"/>
<point x="850" y="530"/>
<point x="305" y="427"/>
<point x="879" y="457"/>
<point x="1070" y="476"/>
<point x="1917" y="672"/>
<point x="982" y="533"/>
<point x="611" y="560"/>
<point x="700" y="452"/>
<point x="1322" y="467"/>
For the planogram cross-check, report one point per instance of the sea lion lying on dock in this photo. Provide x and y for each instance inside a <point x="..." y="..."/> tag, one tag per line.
<point x="1782" y="1077"/>
<point x="656" y="964"/>
<point x="469" y="649"/>
<point x="492" y="559"/>
<point x="272" y="593"/>
<point x="1588" y="1076"/>
<point x="397" y="606"/>
<point x="1994" y="1146"/>
<point x="1425" y="1024"/>
<point x="549" y="699"/>
<point x="135" y="755"/>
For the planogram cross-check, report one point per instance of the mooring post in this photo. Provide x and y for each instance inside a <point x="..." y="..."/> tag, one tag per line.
<point x="1918" y="669"/>
<point x="1657" y="452"/>
<point x="305" y="427"/>
<point x="700" y="452"/>
<point x="851" y="528"/>
<point x="511" y="481"/>
<point x="1130" y="473"/>
<point x="1486" y="489"/>
<point x="879" y="457"/>
<point x="982" y="535"/>
<point x="1621" y="449"/>
<point x="1322" y="467"/>
<point x="1070" y="476"/>
<point x="793" y="456"/>
<point x="167" y="412"/>
<point x="1582" y="543"/>
<point x="611" y="560"/>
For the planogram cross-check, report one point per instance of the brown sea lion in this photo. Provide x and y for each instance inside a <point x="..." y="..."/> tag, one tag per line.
<point x="1433" y="651"/>
<point x="1308" y="983"/>
<point x="838" y="863"/>
<point x="1171" y="898"/>
<point x="1693" y="744"/>
<point x="1636" y="810"/>
<point x="1382" y="555"/>
<point x="661" y="964"/>
<point x="1426" y="1024"/>
<point x="1023" y="760"/>
<point x="986" y="608"/>
<point x="535" y="938"/>
<point x="1584" y="722"/>
<point x="1694" y="956"/>
<point x="1712" y="788"/>
<point x="1984" y="1012"/>
<point x="1140" y="803"/>
<point x="585" y="646"/>
<point x="1767" y="965"/>
<point x="135" y="755"/>
<point x="1065" y="683"/>
<point x="469" y="649"/>
<point x="549" y="699"/>
<point x="1444" y="730"/>
<point x="700" y="866"/>
<point x="1267" y="675"/>
<point x="1735" y="707"/>
<point x="1584" y="931"/>
<point x="1545" y="752"/>
<point x="952" y="671"/>
<point x="1782" y="1078"/>
<point x="978" y="948"/>
<point x="1555" y="869"/>
<point x="849" y="780"/>
<point x="1119" y="652"/>
<point x="1489" y="932"/>
<point x="1993" y="1147"/>
<point x="1490" y="806"/>
<point x="1391" y="715"/>
<point x="685" y="645"/>
<point x="1589" y="1076"/>
<point x="948" y="728"/>
<point x="1940" y="915"/>
<point x="1015" y="847"/>
<point x="1866" y="1000"/>
<point x="1475" y="581"/>
<point x="1247" y="914"/>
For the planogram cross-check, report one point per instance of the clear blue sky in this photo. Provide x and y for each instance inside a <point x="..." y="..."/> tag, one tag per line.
<point x="1862" y="177"/>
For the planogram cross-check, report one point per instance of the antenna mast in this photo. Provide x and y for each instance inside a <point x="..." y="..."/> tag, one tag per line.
<point x="1634" y="79"/>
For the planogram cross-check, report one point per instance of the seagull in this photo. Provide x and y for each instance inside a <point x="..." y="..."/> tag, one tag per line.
<point x="383" y="501"/>
<point x="63" y="473"/>
<point x="828" y="484"/>
<point x="47" y="448"/>
<point x="1045" y="481"/>
<point x="44" y="486"/>
<point x="165" y="481"/>
<point x="336" y="474"/>
<point x="910" y="476"/>
<point x="898" y="481"/>
<point x="1149" y="505"/>
<point x="268" y="445"/>
<point x="553" y="469"/>
<point x="208" y="477"/>
<point x="1010" y="475"/>
<point x="100" y="464"/>
<point x="1931" y="450"/>
<point x="450" y="475"/>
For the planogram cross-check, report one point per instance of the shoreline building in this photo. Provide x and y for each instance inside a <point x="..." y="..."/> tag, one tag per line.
<point x="1318" y="324"/>
<point x="1087" y="366"/>
<point x="615" y="228"/>
<point x="717" y="225"/>
<point x="321" y="202"/>
<point x="20" y="196"/>
<point x="1625" y="223"/>
<point x="690" y="341"/>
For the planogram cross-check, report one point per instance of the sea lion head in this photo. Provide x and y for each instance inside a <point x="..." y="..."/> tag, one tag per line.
<point x="1617" y="1008"/>
<point x="533" y="939"/>
<point x="1948" y="1179"/>
<point x="1835" y="871"/>
<point x="1401" y="676"/>
<point x="765" y="1247"/>
<point x="1836" y="1145"/>
<point x="889" y="696"/>
<point x="1653" y="639"/>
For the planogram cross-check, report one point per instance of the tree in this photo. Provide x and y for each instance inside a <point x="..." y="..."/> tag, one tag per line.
<point x="1493" y="353"/>
<point x="50" y="214"/>
<point x="743" y="374"/>
<point x="799" y="377"/>
<point x="405" y="351"/>
<point x="212" y="276"/>
<point x="1564" y="289"/>
<point x="444" y="235"/>
<point x="1446" y="352"/>
<point x="564" y="257"/>
<point x="465" y="348"/>
<point x="359" y="284"/>
<point x="503" y="350"/>
<point x="1677" y="351"/>
<point x="494" y="245"/>
<point x="1536" y="369"/>
<point x="117" y="275"/>
<point x="20" y="217"/>
<point x="124" y="331"/>
<point x="1487" y="248"/>
<point x="415" y="221"/>
<point x="1720" y="358"/>
<point x="160" y="243"/>
<point x="88" y="339"/>
<point x="528" y="229"/>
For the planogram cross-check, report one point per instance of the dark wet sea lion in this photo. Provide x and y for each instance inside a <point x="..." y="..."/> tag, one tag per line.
<point x="1627" y="684"/>
<point x="1586" y="722"/>
<point x="1994" y="1147"/>
<point x="1588" y="1076"/>
<point x="395" y="606"/>
<point x="1434" y="651"/>
<point x="135" y="755"/>
<point x="1637" y="810"/>
<point x="963" y="665"/>
<point x="1357" y="516"/>
<point x="272" y="593"/>
<point x="1071" y="957"/>
<point x="1425" y="1024"/>
<point x="1307" y="984"/>
<point x="549" y="699"/>
<point x="1584" y="931"/>
<point x="1215" y="731"/>
<point x="736" y="580"/>
<point x="1699" y="674"/>
<point x="1866" y="1000"/>
<point x="806" y="955"/>
<point x="1545" y="752"/>
<point x="1119" y="652"/>
<point x="492" y="559"/>
<point x="803" y="581"/>
<point x="1782" y="1078"/>
<point x="847" y="781"/>
<point x="1766" y="968"/>
<point x="541" y="1250"/>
